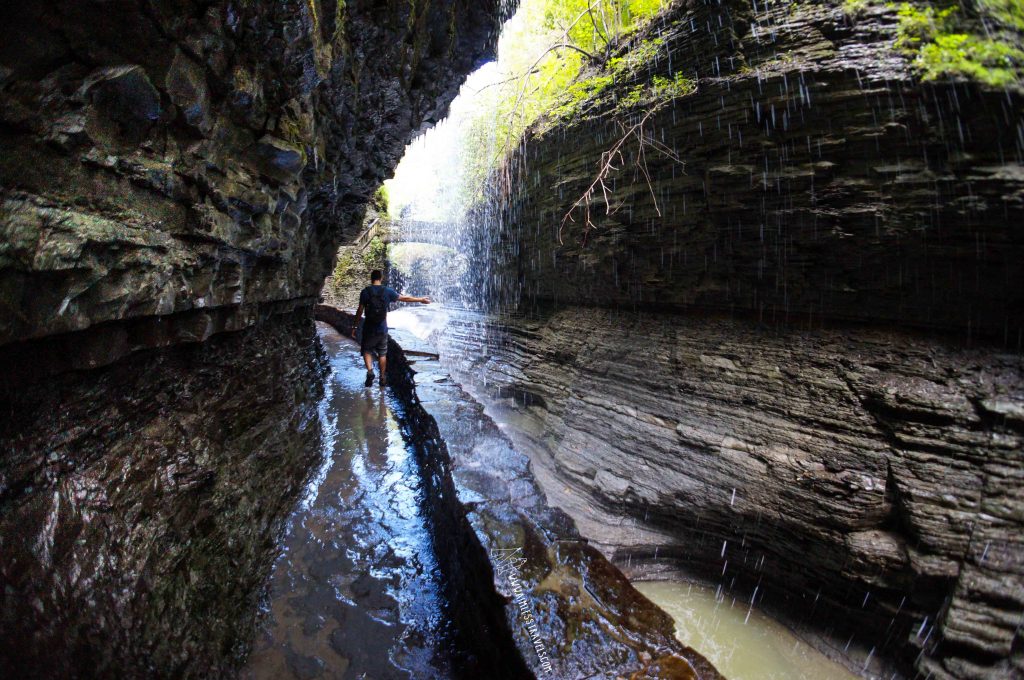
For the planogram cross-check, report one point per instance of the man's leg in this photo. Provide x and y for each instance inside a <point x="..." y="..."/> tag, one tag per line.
<point x="382" y="359"/>
<point x="368" y="360"/>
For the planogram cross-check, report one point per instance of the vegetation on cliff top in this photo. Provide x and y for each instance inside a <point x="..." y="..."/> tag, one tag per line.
<point x="558" y="60"/>
<point x="553" y="58"/>
<point x="943" y="42"/>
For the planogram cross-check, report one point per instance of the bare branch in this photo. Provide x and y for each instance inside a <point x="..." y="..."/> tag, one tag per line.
<point x="607" y="166"/>
<point x="582" y="51"/>
<point x="507" y="80"/>
<point x="561" y="44"/>
<point x="593" y="20"/>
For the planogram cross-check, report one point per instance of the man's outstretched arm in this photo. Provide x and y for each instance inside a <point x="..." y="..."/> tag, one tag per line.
<point x="406" y="298"/>
<point x="355" y="321"/>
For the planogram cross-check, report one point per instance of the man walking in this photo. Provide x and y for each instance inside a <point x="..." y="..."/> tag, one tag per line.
<point x="374" y="300"/>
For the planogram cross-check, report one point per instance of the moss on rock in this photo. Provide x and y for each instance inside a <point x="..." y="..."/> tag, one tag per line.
<point x="943" y="43"/>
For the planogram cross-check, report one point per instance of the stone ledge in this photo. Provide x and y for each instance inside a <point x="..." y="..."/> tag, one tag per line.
<point x="103" y="344"/>
<point x="578" y="608"/>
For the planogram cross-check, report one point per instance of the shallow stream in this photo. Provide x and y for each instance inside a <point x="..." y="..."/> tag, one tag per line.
<point x="742" y="642"/>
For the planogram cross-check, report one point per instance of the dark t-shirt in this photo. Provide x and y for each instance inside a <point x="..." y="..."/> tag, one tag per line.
<point x="390" y="295"/>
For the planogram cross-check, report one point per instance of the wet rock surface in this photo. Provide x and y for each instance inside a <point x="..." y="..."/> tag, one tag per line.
<point x="190" y="165"/>
<point x="559" y="596"/>
<point x="138" y="535"/>
<point x="861" y="483"/>
<point x="140" y="504"/>
<point x="700" y="376"/>
<point x="358" y="590"/>
<point x="819" y="178"/>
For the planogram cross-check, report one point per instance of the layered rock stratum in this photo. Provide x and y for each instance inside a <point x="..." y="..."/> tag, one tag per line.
<point x="815" y="176"/>
<point x="791" y="361"/>
<point x="172" y="170"/>
<point x="866" y="485"/>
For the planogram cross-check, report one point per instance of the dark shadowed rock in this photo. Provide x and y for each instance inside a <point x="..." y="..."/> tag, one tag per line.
<point x="224" y="150"/>
<point x="171" y="172"/>
<point x="124" y="105"/>
<point x="819" y="179"/>
<point x="142" y="503"/>
<point x="186" y="86"/>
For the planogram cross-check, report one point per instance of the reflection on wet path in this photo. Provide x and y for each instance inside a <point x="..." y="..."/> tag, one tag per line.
<point x="356" y="592"/>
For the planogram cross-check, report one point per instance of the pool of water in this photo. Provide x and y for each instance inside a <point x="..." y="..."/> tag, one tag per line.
<point x="357" y="591"/>
<point x="743" y="643"/>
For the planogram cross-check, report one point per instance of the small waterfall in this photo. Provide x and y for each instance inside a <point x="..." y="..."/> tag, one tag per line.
<point x="448" y="229"/>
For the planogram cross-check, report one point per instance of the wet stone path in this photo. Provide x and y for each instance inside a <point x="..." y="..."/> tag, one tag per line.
<point x="356" y="592"/>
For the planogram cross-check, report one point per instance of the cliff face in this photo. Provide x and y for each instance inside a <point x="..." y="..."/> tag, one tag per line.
<point x="865" y="484"/>
<point x="866" y="480"/>
<point x="818" y="177"/>
<point x="170" y="170"/>
<point x="142" y="503"/>
<point x="173" y="170"/>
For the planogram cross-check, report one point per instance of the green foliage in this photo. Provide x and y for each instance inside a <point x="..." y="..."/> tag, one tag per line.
<point x="380" y="200"/>
<point x="939" y="49"/>
<point x="661" y="89"/>
<point x="854" y="8"/>
<point x="584" y="91"/>
<point x="604" y="21"/>
<point x="578" y="94"/>
<point x="643" y="53"/>
<point x="1008" y="12"/>
<point x="376" y="254"/>
<point x="919" y="25"/>
<point x="542" y="55"/>
<point x="343" y="271"/>
<point x="988" y="61"/>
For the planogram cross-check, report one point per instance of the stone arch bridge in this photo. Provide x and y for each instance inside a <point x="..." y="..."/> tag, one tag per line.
<point x="408" y="231"/>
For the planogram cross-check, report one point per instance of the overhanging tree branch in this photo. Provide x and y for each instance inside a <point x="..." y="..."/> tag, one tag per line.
<point x="607" y="166"/>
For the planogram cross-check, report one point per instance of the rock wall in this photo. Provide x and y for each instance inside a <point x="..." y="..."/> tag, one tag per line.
<point x="188" y="167"/>
<point x="867" y="485"/>
<point x="141" y="504"/>
<point x="819" y="178"/>
<point x="170" y="171"/>
<point x="710" y="377"/>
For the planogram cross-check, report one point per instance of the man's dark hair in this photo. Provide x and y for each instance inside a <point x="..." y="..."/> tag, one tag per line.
<point x="376" y="275"/>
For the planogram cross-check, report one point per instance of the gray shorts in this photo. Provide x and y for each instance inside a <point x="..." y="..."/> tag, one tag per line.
<point x="375" y="344"/>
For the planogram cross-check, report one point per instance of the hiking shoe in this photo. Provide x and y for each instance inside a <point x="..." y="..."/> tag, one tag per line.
<point x="383" y="380"/>
<point x="369" y="378"/>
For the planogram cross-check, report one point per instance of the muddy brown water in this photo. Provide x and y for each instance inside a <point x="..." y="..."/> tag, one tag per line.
<point x="742" y="642"/>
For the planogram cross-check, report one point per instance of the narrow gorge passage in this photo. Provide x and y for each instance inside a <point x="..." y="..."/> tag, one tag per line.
<point x="747" y="292"/>
<point x="714" y="296"/>
<point x="357" y="590"/>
